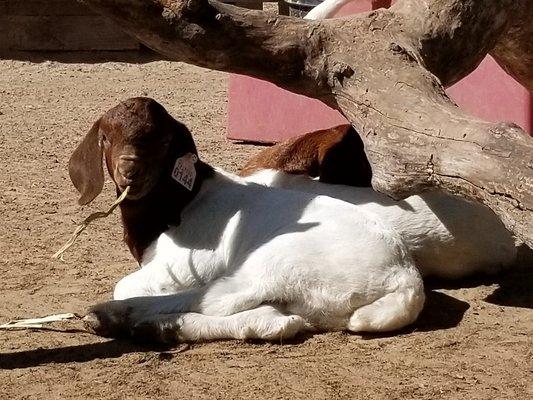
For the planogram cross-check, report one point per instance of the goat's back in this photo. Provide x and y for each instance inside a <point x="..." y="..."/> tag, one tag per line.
<point x="447" y="236"/>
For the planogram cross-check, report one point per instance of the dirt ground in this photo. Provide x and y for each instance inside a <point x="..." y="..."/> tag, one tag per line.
<point x="473" y="340"/>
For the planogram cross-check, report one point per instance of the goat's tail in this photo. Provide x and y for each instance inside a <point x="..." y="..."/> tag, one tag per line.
<point x="393" y="311"/>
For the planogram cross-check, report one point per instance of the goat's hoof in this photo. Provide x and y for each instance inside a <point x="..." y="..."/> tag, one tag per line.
<point x="92" y="323"/>
<point x="284" y="328"/>
<point x="109" y="319"/>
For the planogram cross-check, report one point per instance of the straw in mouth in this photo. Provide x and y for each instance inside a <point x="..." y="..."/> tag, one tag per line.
<point x="85" y="223"/>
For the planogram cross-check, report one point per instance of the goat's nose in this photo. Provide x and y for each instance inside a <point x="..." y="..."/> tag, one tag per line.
<point x="131" y="173"/>
<point x="128" y="167"/>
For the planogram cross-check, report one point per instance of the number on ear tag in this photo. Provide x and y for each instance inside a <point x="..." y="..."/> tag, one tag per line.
<point x="184" y="171"/>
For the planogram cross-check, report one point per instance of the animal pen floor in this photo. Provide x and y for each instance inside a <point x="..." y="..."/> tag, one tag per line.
<point x="473" y="340"/>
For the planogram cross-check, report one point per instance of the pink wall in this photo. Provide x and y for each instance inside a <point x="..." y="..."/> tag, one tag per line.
<point x="261" y="112"/>
<point x="491" y="94"/>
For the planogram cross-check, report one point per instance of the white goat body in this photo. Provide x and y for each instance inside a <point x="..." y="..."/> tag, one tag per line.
<point x="251" y="261"/>
<point x="448" y="237"/>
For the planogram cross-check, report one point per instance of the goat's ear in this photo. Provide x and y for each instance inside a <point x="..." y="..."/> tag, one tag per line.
<point x="85" y="166"/>
<point x="183" y="141"/>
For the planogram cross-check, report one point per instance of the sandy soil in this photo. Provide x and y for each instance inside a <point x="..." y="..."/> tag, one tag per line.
<point x="473" y="340"/>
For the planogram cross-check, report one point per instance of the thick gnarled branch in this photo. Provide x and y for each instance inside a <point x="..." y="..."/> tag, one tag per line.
<point x="219" y="36"/>
<point x="383" y="70"/>
<point x="453" y="37"/>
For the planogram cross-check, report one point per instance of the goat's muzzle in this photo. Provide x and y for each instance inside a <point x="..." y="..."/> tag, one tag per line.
<point x="127" y="173"/>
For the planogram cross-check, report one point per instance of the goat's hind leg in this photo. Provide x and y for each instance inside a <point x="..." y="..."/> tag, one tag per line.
<point x="392" y="311"/>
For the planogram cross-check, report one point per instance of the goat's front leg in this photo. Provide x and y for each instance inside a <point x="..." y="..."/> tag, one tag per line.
<point x="115" y="318"/>
<point x="265" y="322"/>
<point x="224" y="297"/>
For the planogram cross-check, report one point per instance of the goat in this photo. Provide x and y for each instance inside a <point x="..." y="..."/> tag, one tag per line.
<point x="448" y="237"/>
<point x="225" y="258"/>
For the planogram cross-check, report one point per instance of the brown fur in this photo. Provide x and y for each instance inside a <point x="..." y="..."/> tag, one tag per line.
<point x="335" y="155"/>
<point x="141" y="129"/>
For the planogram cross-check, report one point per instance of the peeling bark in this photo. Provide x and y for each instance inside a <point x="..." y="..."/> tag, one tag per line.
<point x="385" y="70"/>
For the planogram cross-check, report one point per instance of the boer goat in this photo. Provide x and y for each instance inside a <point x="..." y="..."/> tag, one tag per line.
<point x="222" y="257"/>
<point x="448" y="237"/>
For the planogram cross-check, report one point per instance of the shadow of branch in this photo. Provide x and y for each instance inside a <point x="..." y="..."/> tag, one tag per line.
<point x="515" y="286"/>
<point x="514" y="290"/>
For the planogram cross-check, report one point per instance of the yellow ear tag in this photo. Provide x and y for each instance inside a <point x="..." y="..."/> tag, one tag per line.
<point x="184" y="171"/>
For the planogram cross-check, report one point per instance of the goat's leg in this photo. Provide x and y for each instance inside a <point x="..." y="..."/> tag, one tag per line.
<point x="228" y="296"/>
<point x="265" y="322"/>
<point x="114" y="318"/>
<point x="224" y="297"/>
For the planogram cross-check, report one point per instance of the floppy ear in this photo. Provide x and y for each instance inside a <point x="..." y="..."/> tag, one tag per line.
<point x="182" y="141"/>
<point x="85" y="166"/>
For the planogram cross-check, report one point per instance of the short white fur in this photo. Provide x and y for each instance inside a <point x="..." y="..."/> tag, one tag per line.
<point x="448" y="237"/>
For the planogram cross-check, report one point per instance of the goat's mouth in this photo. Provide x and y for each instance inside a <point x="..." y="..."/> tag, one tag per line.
<point x="131" y="192"/>
<point x="135" y="192"/>
<point x="138" y="189"/>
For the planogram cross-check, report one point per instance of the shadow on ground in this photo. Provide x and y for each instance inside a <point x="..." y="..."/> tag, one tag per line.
<point x="142" y="56"/>
<point x="441" y="311"/>
<point x="515" y="286"/>
<point x="515" y="290"/>
<point x="79" y="353"/>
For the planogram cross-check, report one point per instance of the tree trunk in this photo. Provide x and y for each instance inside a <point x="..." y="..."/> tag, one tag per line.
<point x="385" y="71"/>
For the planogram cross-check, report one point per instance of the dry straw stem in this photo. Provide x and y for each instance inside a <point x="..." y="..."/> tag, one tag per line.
<point x="37" y="323"/>
<point x="81" y="227"/>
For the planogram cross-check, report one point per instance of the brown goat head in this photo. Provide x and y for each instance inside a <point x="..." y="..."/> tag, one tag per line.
<point x="138" y="140"/>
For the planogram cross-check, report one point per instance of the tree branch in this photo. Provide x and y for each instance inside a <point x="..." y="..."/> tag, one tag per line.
<point x="453" y="37"/>
<point x="219" y="36"/>
<point x="415" y="145"/>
